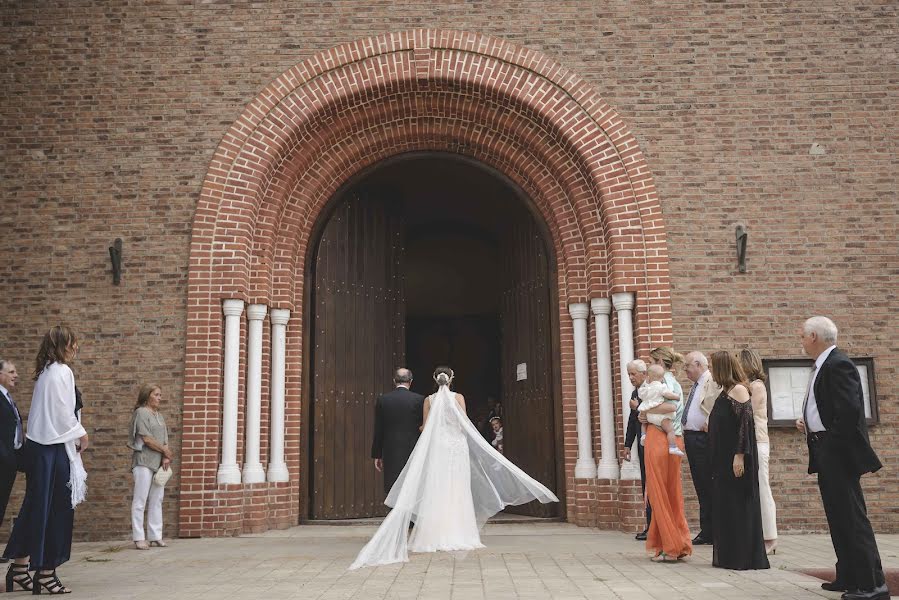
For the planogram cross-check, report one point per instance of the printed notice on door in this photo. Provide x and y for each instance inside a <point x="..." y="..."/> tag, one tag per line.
<point x="521" y="372"/>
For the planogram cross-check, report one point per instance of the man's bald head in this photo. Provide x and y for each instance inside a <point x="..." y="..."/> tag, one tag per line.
<point x="403" y="377"/>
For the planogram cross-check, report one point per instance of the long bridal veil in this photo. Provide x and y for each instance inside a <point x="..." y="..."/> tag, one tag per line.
<point x="439" y="481"/>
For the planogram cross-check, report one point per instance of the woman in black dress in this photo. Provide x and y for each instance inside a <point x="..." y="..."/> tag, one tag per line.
<point x="737" y="521"/>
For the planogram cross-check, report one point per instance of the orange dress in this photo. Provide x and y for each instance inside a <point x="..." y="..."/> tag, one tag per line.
<point x="668" y="531"/>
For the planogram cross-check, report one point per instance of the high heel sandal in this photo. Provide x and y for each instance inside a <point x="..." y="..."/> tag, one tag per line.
<point x="54" y="586"/>
<point x="18" y="574"/>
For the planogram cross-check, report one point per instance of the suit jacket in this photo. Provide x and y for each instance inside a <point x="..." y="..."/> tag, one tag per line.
<point x="838" y="394"/>
<point x="633" y="425"/>
<point x="398" y="415"/>
<point x="8" y="424"/>
<point x="709" y="393"/>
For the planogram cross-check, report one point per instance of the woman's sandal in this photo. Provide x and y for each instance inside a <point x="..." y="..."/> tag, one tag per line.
<point x="18" y="574"/>
<point x="159" y="544"/>
<point x="53" y="586"/>
<point x="141" y="545"/>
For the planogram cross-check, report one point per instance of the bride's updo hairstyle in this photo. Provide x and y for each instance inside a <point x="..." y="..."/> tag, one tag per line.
<point x="443" y="376"/>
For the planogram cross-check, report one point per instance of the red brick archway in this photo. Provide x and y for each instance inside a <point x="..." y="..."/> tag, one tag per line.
<point x="350" y="107"/>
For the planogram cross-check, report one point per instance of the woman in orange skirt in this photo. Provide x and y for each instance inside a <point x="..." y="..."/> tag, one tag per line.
<point x="668" y="538"/>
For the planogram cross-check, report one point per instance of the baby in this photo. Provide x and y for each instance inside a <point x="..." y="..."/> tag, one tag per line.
<point x="653" y="393"/>
<point x="497" y="425"/>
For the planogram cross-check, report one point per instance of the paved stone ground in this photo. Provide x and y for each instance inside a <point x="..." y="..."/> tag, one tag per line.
<point x="523" y="560"/>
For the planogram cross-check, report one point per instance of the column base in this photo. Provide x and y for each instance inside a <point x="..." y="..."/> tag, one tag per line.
<point x="585" y="468"/>
<point x="607" y="470"/>
<point x="253" y="473"/>
<point x="278" y="472"/>
<point x="228" y="474"/>
<point x="630" y="470"/>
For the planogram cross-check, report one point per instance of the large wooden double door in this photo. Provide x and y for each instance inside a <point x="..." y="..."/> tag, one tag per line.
<point x="359" y="337"/>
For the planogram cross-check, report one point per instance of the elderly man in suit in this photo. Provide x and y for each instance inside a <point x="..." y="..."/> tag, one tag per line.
<point x="12" y="436"/>
<point x="398" y="417"/>
<point x="636" y="372"/>
<point x="833" y="420"/>
<point x="698" y="406"/>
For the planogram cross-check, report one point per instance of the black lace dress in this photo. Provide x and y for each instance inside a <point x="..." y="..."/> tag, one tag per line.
<point x="737" y="516"/>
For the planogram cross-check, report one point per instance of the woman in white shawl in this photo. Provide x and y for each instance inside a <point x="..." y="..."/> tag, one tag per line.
<point x="452" y="483"/>
<point x="56" y="476"/>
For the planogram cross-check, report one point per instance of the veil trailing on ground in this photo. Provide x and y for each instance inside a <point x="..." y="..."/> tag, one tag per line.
<point x="429" y="491"/>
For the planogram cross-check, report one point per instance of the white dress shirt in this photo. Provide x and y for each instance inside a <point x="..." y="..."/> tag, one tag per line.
<point x="695" y="417"/>
<point x="17" y="439"/>
<point x="812" y="417"/>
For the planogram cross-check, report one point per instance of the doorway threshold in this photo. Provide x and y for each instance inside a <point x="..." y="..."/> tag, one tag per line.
<point x="501" y="518"/>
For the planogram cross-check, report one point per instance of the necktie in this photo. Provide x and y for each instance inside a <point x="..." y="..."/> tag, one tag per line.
<point x="19" y="433"/>
<point x="683" y="419"/>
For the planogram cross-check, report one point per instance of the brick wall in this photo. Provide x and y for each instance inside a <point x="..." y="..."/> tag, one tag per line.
<point x="112" y="113"/>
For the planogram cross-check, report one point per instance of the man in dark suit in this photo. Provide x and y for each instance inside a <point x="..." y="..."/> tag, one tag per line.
<point x="636" y="372"/>
<point x="398" y="417"/>
<point x="12" y="436"/>
<point x="698" y="405"/>
<point x="833" y="419"/>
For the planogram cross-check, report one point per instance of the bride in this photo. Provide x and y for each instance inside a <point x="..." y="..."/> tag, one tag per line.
<point x="453" y="482"/>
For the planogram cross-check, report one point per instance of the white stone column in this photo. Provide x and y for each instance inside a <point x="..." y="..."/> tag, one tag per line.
<point x="228" y="471"/>
<point x="608" y="463"/>
<point x="585" y="466"/>
<point x="277" y="468"/>
<point x="252" y="467"/>
<point x="624" y="305"/>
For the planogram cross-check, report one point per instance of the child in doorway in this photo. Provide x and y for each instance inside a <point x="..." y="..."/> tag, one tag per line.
<point x="653" y="393"/>
<point x="497" y="442"/>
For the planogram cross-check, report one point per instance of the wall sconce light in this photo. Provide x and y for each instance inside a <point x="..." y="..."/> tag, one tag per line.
<point x="115" y="255"/>
<point x="742" y="236"/>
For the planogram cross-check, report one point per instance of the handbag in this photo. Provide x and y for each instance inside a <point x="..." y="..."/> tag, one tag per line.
<point x="162" y="476"/>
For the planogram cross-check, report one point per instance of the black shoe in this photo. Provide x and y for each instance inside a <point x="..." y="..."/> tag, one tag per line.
<point x="836" y="586"/>
<point x="700" y="540"/>
<point x="881" y="592"/>
<point x="641" y="536"/>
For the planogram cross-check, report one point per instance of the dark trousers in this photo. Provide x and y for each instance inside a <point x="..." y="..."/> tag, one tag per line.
<point x="7" y="480"/>
<point x="858" y="561"/>
<point x="640" y="453"/>
<point x="697" y="446"/>
<point x="43" y="530"/>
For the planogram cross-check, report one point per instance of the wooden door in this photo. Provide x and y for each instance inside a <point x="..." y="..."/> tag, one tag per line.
<point x="526" y="338"/>
<point x="358" y="340"/>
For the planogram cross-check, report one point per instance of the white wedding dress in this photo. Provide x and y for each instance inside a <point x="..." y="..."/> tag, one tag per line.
<point x="452" y="483"/>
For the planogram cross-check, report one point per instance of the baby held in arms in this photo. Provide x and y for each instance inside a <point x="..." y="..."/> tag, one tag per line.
<point x="653" y="393"/>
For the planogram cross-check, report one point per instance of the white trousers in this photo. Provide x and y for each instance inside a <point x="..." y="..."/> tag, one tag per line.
<point x="147" y="495"/>
<point x="769" y="510"/>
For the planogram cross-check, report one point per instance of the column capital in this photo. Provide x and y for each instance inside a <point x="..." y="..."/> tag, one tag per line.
<point x="256" y="312"/>
<point x="579" y="310"/>
<point x="623" y="300"/>
<point x="601" y="306"/>
<point x="232" y="307"/>
<point x="280" y="316"/>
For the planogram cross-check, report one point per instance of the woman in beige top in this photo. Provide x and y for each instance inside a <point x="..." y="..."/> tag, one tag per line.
<point x="149" y="439"/>
<point x="755" y="373"/>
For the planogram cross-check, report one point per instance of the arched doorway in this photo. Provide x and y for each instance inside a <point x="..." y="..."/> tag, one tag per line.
<point x="278" y="167"/>
<point x="429" y="259"/>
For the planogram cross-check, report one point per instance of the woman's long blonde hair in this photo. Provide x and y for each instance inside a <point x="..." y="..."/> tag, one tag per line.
<point x="752" y="364"/>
